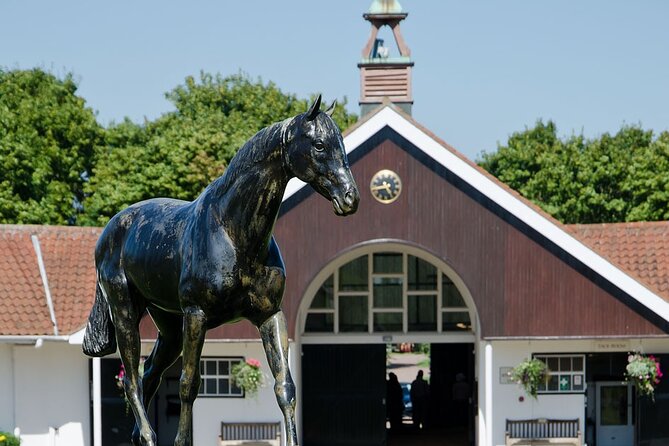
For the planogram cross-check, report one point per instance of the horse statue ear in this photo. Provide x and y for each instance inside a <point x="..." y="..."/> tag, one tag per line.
<point x="314" y="109"/>
<point x="331" y="109"/>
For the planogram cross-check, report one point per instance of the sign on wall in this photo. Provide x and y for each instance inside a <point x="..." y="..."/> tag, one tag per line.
<point x="505" y="375"/>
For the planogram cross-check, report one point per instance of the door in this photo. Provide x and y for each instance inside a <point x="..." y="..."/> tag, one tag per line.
<point x="343" y="395"/>
<point x="614" y="414"/>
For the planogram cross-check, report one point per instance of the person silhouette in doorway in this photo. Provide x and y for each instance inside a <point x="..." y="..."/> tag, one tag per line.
<point x="395" y="402"/>
<point x="420" y="395"/>
<point x="461" y="394"/>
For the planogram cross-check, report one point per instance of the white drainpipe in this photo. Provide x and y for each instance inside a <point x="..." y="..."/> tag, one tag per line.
<point x="97" y="403"/>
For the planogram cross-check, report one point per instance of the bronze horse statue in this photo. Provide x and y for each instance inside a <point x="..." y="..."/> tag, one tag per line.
<point x="196" y="265"/>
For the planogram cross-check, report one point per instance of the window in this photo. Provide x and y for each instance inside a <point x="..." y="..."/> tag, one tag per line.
<point x="387" y="292"/>
<point x="215" y="373"/>
<point x="567" y="373"/>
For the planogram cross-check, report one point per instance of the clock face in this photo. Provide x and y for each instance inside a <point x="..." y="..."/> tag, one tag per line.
<point x="385" y="186"/>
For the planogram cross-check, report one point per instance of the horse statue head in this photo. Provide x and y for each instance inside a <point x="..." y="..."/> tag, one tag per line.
<point x="314" y="152"/>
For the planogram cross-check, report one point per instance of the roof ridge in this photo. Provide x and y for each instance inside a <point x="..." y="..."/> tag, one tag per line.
<point x="36" y="228"/>
<point x="629" y="224"/>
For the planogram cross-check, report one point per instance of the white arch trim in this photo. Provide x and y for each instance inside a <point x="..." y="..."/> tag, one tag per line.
<point x="375" y="246"/>
<point x="495" y="191"/>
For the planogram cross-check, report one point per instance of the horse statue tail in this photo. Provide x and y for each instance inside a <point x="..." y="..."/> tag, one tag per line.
<point x="100" y="336"/>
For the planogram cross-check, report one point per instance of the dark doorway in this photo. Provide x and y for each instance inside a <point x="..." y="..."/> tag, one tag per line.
<point x="453" y="391"/>
<point x="649" y="416"/>
<point x="343" y="391"/>
<point x="117" y="418"/>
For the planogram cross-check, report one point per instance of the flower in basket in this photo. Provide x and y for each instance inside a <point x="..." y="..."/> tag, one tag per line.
<point x="7" y="439"/>
<point x="119" y="377"/>
<point x="644" y="372"/>
<point x="530" y="374"/>
<point x="247" y="376"/>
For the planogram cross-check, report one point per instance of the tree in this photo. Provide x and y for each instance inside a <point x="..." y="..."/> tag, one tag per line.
<point x="47" y="141"/>
<point x="613" y="178"/>
<point x="181" y="152"/>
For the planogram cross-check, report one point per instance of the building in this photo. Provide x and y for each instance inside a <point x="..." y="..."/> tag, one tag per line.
<point x="439" y="252"/>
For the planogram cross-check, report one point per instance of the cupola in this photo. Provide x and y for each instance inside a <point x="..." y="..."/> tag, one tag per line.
<point x="382" y="74"/>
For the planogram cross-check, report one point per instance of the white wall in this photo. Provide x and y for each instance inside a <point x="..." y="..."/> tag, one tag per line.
<point x="6" y="389"/>
<point x="208" y="413"/>
<point x="52" y="395"/>
<point x="505" y="397"/>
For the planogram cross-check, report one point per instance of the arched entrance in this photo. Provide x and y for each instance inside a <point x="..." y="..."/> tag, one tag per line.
<point x="363" y="303"/>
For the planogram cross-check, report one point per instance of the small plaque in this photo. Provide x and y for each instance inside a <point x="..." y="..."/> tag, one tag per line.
<point x="612" y="345"/>
<point x="505" y="375"/>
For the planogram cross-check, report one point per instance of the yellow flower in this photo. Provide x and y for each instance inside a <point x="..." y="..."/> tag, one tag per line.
<point x="2" y="438"/>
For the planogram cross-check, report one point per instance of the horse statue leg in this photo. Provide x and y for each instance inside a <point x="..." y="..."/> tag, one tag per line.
<point x="194" y="330"/>
<point x="274" y="334"/>
<point x="126" y="314"/>
<point x="165" y="352"/>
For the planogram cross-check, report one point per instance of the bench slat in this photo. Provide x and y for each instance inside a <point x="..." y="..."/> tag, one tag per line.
<point x="250" y="431"/>
<point x="543" y="428"/>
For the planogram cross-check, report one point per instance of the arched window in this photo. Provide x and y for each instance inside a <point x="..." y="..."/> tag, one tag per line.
<point x="387" y="292"/>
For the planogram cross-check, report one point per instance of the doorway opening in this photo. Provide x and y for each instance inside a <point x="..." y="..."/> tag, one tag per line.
<point x="345" y="394"/>
<point x="368" y="297"/>
<point x="448" y="413"/>
<point x="117" y="418"/>
<point x="615" y="413"/>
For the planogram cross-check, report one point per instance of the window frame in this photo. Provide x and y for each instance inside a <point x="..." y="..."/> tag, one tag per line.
<point x="544" y="356"/>
<point x="368" y="294"/>
<point x="231" y="361"/>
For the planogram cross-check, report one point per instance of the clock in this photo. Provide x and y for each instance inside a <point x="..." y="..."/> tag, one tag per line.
<point x="385" y="186"/>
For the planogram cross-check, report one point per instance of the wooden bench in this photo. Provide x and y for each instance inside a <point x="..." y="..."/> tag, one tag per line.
<point x="250" y="433"/>
<point x="541" y="431"/>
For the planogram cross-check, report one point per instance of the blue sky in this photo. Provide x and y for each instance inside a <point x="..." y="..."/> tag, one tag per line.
<point x="483" y="69"/>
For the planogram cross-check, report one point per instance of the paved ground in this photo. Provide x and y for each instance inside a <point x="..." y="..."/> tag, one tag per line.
<point x="404" y="366"/>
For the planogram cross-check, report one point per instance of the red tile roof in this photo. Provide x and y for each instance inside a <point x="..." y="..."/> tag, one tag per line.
<point x="640" y="248"/>
<point x="67" y="253"/>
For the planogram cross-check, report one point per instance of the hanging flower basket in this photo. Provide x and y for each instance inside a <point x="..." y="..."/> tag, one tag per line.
<point x="530" y="375"/>
<point x="248" y="376"/>
<point x="7" y="439"/>
<point x="644" y="372"/>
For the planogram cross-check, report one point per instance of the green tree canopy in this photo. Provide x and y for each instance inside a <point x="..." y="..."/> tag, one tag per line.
<point x="613" y="178"/>
<point x="181" y="152"/>
<point x="47" y="141"/>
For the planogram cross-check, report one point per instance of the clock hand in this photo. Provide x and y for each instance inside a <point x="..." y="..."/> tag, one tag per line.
<point x="385" y="186"/>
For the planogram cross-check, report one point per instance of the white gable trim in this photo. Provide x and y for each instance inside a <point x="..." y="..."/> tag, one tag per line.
<point x="498" y="194"/>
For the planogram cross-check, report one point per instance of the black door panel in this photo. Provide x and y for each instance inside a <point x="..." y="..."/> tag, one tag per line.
<point x="343" y="391"/>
